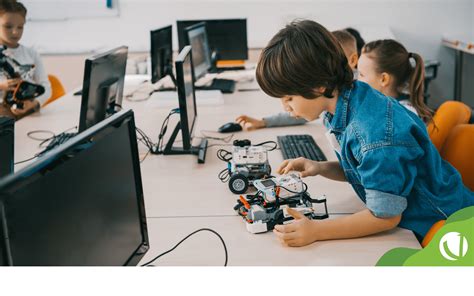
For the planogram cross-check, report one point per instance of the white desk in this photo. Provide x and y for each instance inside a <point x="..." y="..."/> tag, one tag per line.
<point x="205" y="248"/>
<point x="182" y="195"/>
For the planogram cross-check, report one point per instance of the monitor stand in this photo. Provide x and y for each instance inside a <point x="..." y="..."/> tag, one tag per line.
<point x="200" y="150"/>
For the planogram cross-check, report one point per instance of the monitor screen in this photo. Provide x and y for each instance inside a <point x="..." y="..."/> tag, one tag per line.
<point x="161" y="53"/>
<point x="187" y="99"/>
<point x="197" y="38"/>
<point x="102" y="87"/>
<point x="7" y="142"/>
<point x="82" y="204"/>
<point x="227" y="37"/>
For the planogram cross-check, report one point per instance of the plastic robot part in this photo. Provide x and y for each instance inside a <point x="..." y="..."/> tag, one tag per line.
<point x="247" y="164"/>
<point x="261" y="212"/>
<point x="282" y="186"/>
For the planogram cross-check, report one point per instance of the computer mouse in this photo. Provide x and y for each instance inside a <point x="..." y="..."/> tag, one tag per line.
<point x="230" y="127"/>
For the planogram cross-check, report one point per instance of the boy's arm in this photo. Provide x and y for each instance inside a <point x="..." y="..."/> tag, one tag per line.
<point x="332" y="170"/>
<point x="304" y="231"/>
<point x="282" y="119"/>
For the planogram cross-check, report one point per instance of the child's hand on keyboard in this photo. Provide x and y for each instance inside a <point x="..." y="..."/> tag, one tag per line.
<point x="305" y="167"/>
<point x="249" y="123"/>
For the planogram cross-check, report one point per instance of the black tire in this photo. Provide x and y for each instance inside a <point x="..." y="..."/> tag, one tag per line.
<point x="238" y="184"/>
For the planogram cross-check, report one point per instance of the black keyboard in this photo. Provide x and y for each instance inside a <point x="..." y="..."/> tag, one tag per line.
<point x="294" y="146"/>
<point x="226" y="86"/>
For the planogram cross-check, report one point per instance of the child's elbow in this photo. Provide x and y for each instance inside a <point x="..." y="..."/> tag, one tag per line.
<point x="392" y="222"/>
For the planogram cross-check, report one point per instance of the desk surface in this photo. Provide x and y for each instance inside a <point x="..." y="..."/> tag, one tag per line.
<point x="176" y="187"/>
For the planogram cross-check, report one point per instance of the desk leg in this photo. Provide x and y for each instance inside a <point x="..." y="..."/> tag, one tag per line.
<point x="458" y="75"/>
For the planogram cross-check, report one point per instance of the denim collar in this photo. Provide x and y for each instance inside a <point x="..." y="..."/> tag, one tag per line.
<point x="338" y="121"/>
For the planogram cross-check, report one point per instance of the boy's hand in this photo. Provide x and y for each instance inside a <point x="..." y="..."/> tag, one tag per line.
<point x="306" y="167"/>
<point x="249" y="123"/>
<point x="28" y="107"/>
<point x="9" y="84"/>
<point x="301" y="232"/>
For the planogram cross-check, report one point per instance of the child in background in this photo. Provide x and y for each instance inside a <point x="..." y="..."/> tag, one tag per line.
<point x="359" y="40"/>
<point x="387" y="66"/>
<point x="384" y="152"/>
<point x="12" y="21"/>
<point x="348" y="43"/>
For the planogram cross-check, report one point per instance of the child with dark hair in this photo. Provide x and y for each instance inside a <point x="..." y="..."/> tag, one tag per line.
<point x="384" y="152"/>
<point x="359" y="40"/>
<point x="348" y="43"/>
<point x="389" y="68"/>
<point x="12" y="22"/>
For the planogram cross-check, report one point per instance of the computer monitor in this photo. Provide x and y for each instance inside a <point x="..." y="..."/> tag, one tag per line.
<point x="227" y="37"/>
<point x="7" y="142"/>
<point x="161" y="53"/>
<point x="102" y="88"/>
<point x="187" y="109"/>
<point x="81" y="204"/>
<point x="196" y="36"/>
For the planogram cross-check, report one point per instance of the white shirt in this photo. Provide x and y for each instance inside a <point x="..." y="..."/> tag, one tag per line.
<point x="26" y="55"/>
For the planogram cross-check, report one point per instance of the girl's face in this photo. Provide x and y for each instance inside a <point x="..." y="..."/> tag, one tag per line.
<point x="367" y="73"/>
<point x="11" y="28"/>
<point x="308" y="109"/>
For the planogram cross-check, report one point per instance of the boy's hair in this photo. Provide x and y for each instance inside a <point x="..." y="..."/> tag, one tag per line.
<point x="391" y="57"/>
<point x="346" y="40"/>
<point x="12" y="6"/>
<point x="359" y="40"/>
<point x="299" y="59"/>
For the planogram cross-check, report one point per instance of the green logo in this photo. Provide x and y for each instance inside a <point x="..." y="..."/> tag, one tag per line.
<point x="449" y="246"/>
<point x="453" y="246"/>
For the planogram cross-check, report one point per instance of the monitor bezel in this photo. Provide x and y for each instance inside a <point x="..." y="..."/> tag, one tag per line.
<point x="88" y="68"/>
<point x="10" y="184"/>
<point x="187" y="134"/>
<point x="169" y="30"/>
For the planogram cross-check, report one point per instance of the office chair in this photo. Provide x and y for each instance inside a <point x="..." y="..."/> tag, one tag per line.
<point x="448" y="115"/>
<point x="458" y="151"/>
<point x="57" y="90"/>
<point x="431" y="72"/>
<point x="431" y="233"/>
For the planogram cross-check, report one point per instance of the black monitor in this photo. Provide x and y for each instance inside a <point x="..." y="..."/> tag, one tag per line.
<point x="102" y="88"/>
<point x="196" y="36"/>
<point x="7" y="142"/>
<point x="227" y="37"/>
<point x="187" y="109"/>
<point x="161" y="53"/>
<point x="81" y="204"/>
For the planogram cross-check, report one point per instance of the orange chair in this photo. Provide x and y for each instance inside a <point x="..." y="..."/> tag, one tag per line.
<point x="458" y="151"/>
<point x="57" y="90"/>
<point x="449" y="114"/>
<point x="431" y="233"/>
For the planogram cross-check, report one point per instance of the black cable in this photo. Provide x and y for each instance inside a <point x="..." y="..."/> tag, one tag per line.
<point x="224" y="155"/>
<point x="189" y="235"/>
<point x="26" y="160"/>
<point x="224" y="175"/>
<point x="268" y="142"/>
<point x="163" y="130"/>
<point x="30" y="133"/>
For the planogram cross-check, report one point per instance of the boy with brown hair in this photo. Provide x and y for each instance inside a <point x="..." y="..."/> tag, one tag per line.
<point x="348" y="43"/>
<point x="384" y="152"/>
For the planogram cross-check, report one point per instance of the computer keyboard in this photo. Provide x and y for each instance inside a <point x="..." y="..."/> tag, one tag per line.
<point x="224" y="85"/>
<point x="294" y="146"/>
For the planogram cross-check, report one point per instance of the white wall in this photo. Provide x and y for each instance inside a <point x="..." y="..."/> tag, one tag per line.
<point x="418" y="24"/>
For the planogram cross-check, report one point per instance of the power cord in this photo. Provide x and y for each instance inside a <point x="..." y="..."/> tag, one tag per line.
<point x="164" y="127"/>
<point x="189" y="235"/>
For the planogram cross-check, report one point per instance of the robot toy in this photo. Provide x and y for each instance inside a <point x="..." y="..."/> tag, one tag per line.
<point x="25" y="90"/>
<point x="245" y="164"/>
<point x="268" y="207"/>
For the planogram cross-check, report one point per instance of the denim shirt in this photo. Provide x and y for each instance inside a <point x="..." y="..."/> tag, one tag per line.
<point x="389" y="160"/>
